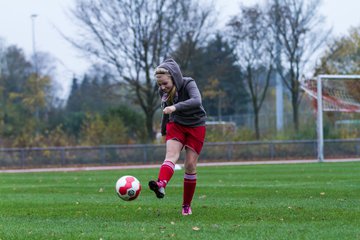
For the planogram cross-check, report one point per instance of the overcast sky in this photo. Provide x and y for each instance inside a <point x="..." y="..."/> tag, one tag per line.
<point x="16" y="27"/>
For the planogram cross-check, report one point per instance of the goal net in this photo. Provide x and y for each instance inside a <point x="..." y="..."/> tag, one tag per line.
<point x="336" y="93"/>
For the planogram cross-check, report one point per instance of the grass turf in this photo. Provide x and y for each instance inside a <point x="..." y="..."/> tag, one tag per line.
<point x="288" y="201"/>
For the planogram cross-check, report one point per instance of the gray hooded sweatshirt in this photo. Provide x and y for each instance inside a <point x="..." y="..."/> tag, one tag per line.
<point x="188" y="104"/>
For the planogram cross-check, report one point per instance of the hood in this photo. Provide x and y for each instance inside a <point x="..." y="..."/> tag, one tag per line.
<point x="174" y="70"/>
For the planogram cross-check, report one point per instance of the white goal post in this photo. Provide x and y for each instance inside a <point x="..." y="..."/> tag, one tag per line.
<point x="337" y="93"/>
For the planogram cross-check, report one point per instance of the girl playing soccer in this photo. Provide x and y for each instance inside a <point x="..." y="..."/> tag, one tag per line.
<point x="183" y="124"/>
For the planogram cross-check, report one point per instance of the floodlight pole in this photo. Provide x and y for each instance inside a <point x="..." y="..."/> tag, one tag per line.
<point x="37" y="114"/>
<point x="33" y="16"/>
<point x="320" y="129"/>
<point x="279" y="94"/>
<point x="279" y="84"/>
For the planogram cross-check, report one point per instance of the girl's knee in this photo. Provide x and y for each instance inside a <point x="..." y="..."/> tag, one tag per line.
<point x="190" y="166"/>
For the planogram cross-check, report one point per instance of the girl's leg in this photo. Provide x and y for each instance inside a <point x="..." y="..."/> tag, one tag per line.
<point x="166" y="171"/>
<point x="189" y="179"/>
<point x="173" y="149"/>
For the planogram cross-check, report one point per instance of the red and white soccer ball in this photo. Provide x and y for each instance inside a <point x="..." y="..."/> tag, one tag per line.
<point x="128" y="188"/>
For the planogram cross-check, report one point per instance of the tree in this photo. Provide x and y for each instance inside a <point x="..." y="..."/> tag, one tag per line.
<point x="99" y="131"/>
<point x="249" y="31"/>
<point x="213" y="92"/>
<point x="215" y="69"/>
<point x="96" y="95"/>
<point x="33" y="104"/>
<point x="33" y="97"/>
<point x="93" y="94"/>
<point x="74" y="102"/>
<point x="298" y="29"/>
<point x="132" y="119"/>
<point x="221" y="64"/>
<point x="15" y="71"/>
<point x="134" y="36"/>
<point x="342" y="55"/>
<point x="25" y="96"/>
<point x="46" y="68"/>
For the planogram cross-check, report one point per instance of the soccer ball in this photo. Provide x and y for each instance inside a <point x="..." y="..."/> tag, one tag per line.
<point x="128" y="188"/>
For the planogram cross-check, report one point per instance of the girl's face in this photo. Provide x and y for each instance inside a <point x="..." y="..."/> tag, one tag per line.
<point x="164" y="82"/>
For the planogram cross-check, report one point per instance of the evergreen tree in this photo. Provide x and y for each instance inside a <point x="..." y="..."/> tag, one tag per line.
<point x="97" y="95"/>
<point x="221" y="65"/>
<point x="73" y="103"/>
<point x="219" y="78"/>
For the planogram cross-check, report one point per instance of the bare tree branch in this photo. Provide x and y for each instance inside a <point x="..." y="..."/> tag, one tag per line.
<point x="134" y="37"/>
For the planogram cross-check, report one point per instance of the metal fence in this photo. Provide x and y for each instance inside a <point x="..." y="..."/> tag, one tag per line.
<point x="154" y="153"/>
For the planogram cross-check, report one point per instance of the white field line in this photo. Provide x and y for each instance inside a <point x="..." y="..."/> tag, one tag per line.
<point x="74" y="169"/>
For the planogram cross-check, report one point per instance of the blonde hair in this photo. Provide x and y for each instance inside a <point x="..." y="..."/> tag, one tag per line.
<point x="171" y="97"/>
<point x="172" y="93"/>
<point x="160" y="70"/>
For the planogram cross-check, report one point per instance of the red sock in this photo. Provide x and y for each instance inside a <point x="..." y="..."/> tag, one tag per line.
<point x="166" y="172"/>
<point x="189" y="188"/>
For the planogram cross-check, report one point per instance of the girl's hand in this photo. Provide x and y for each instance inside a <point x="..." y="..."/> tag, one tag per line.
<point x="169" y="109"/>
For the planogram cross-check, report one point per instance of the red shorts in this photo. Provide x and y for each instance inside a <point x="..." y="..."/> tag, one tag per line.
<point x="191" y="137"/>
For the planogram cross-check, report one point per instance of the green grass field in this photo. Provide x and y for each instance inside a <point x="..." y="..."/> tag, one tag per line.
<point x="288" y="201"/>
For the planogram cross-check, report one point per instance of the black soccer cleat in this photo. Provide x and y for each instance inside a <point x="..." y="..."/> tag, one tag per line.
<point x="159" y="190"/>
